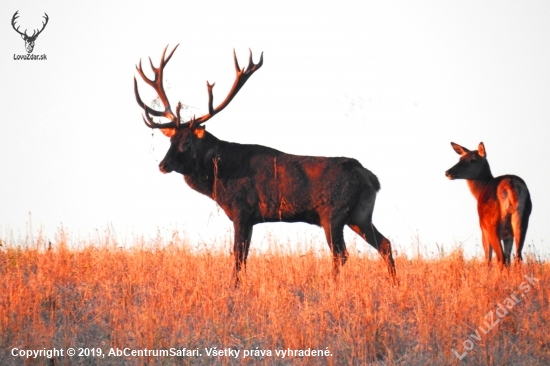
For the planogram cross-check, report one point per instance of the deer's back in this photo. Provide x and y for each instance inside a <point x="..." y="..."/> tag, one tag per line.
<point x="270" y="185"/>
<point x="502" y="197"/>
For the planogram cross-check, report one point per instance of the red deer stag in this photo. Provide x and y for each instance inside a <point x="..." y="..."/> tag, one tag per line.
<point x="255" y="184"/>
<point x="503" y="203"/>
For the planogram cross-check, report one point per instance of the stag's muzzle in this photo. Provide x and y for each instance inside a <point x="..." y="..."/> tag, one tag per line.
<point x="163" y="168"/>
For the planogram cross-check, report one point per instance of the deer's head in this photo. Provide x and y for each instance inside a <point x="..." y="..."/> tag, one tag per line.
<point x="472" y="165"/>
<point x="29" y="40"/>
<point x="188" y="139"/>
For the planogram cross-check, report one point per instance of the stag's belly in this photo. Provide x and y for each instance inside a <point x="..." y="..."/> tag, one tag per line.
<point x="302" y="199"/>
<point x="297" y="189"/>
<point x="309" y="217"/>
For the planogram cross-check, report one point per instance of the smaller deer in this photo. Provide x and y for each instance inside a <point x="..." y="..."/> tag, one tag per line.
<point x="503" y="203"/>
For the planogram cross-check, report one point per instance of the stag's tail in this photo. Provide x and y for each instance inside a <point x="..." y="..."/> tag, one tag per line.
<point x="368" y="178"/>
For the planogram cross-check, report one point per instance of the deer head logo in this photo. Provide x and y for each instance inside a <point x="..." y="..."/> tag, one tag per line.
<point x="29" y="40"/>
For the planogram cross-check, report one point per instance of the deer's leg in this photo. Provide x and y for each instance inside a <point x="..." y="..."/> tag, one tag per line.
<point x="372" y="236"/>
<point x="486" y="247"/>
<point x="491" y="240"/>
<point x="519" y="227"/>
<point x="241" y="244"/>
<point x="335" y="239"/>
<point x="507" y="244"/>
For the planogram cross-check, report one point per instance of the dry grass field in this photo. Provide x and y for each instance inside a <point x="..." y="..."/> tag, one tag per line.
<point x="100" y="299"/>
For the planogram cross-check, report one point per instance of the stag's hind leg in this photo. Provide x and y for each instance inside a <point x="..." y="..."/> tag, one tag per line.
<point x="372" y="236"/>
<point x="361" y="222"/>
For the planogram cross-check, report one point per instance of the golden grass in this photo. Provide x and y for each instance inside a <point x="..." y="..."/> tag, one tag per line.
<point x="174" y="297"/>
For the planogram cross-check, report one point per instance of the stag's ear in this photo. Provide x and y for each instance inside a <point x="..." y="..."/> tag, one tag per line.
<point x="23" y="36"/>
<point x="169" y="132"/>
<point x="199" y="131"/>
<point x="459" y="149"/>
<point x="481" y="150"/>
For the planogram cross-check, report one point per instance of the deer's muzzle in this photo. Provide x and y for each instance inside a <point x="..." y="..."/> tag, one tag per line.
<point x="163" y="167"/>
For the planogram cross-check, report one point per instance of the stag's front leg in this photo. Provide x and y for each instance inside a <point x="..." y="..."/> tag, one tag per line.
<point x="241" y="244"/>
<point x="336" y="243"/>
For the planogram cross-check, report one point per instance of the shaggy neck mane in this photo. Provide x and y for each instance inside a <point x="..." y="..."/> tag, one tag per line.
<point x="213" y="161"/>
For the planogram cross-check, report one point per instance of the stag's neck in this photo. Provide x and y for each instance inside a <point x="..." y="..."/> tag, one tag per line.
<point x="204" y="176"/>
<point x="478" y="185"/>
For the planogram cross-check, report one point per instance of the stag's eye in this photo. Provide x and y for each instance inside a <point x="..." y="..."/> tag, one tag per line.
<point x="184" y="145"/>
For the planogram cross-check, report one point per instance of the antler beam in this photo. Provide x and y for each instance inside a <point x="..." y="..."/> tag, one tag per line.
<point x="157" y="84"/>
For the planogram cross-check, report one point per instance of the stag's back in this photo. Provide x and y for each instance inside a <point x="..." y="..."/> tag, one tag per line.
<point x="284" y="187"/>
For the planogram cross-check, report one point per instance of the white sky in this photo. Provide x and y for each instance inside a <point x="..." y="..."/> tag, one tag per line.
<point x="390" y="83"/>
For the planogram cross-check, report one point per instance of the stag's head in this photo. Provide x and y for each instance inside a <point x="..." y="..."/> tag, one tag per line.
<point x="186" y="143"/>
<point x="471" y="165"/>
<point x="29" y="40"/>
<point x="187" y="139"/>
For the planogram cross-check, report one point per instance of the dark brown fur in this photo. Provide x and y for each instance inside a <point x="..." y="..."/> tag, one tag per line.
<point x="255" y="184"/>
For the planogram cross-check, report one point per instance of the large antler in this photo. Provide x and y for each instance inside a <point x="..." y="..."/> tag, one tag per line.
<point x="159" y="88"/>
<point x="242" y="76"/>
<point x="34" y="34"/>
<point x="43" y="26"/>
<point x="240" y="79"/>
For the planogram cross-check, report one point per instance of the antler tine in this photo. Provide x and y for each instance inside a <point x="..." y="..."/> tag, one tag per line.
<point x="252" y="65"/>
<point x="210" y="98"/>
<point x="242" y="75"/>
<point x="237" y="67"/>
<point x="164" y="62"/>
<point x="178" y="111"/>
<point x="157" y="84"/>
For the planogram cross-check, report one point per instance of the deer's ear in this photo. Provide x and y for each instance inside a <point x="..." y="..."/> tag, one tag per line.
<point x="169" y="132"/>
<point x="23" y="36"/>
<point x="199" y="131"/>
<point x="459" y="149"/>
<point x="481" y="150"/>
